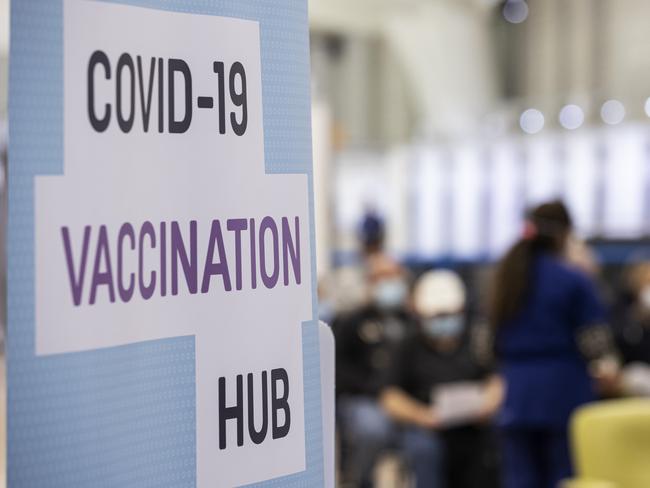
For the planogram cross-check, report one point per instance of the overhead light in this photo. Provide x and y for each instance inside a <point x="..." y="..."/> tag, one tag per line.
<point x="612" y="112"/>
<point x="531" y="121"/>
<point x="571" y="117"/>
<point x="515" y="11"/>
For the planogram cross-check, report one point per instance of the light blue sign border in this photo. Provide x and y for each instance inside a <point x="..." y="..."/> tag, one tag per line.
<point x="125" y="416"/>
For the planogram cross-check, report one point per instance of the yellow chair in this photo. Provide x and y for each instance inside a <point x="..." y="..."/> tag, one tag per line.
<point x="611" y="445"/>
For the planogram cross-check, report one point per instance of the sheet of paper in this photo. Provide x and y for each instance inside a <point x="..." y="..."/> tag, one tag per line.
<point x="458" y="403"/>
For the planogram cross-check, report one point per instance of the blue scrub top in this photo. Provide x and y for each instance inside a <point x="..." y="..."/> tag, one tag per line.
<point x="545" y="374"/>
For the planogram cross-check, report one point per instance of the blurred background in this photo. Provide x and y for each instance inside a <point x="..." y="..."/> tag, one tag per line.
<point x="452" y="116"/>
<point x="436" y="125"/>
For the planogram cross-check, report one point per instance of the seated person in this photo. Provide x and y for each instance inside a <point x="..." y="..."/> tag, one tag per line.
<point x="441" y="395"/>
<point x="365" y="342"/>
<point x="633" y="332"/>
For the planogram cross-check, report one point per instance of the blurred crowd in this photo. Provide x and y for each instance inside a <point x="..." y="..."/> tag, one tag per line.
<point x="470" y="382"/>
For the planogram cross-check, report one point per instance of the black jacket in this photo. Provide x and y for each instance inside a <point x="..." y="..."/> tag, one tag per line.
<point x="365" y="343"/>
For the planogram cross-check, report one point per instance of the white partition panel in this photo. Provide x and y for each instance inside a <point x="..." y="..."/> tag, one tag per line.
<point x="467" y="172"/>
<point x="624" y="170"/>
<point x="506" y="202"/>
<point x="581" y="179"/>
<point x="427" y="184"/>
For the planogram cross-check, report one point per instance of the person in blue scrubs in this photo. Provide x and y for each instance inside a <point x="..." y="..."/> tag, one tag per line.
<point x="549" y="327"/>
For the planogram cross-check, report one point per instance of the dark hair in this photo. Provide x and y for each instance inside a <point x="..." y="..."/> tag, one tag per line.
<point x="372" y="232"/>
<point x="547" y="227"/>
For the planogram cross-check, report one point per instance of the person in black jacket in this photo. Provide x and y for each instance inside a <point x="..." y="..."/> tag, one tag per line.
<point x="365" y="343"/>
<point x="442" y="394"/>
<point x="632" y="332"/>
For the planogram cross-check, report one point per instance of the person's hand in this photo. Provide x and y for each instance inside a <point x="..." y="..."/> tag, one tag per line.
<point x="493" y="398"/>
<point x="428" y="419"/>
<point x="607" y="374"/>
<point x="486" y="414"/>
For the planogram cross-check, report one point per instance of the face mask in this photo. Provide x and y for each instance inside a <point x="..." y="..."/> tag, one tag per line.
<point x="446" y="327"/>
<point x="390" y="294"/>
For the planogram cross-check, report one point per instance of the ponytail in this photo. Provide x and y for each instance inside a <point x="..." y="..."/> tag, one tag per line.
<point x="545" y="231"/>
<point x="511" y="282"/>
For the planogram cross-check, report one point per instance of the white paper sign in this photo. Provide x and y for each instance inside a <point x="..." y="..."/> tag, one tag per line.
<point x="165" y="224"/>
<point x="458" y="403"/>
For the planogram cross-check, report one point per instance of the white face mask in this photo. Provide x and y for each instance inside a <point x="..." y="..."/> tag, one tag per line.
<point x="446" y="327"/>
<point x="390" y="294"/>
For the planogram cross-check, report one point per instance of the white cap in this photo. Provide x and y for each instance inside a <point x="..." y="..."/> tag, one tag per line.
<point x="439" y="292"/>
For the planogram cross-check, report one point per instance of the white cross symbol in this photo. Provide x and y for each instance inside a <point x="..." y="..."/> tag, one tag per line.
<point x="112" y="177"/>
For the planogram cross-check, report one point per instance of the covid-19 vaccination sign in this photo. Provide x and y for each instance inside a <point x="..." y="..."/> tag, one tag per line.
<point x="161" y="271"/>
